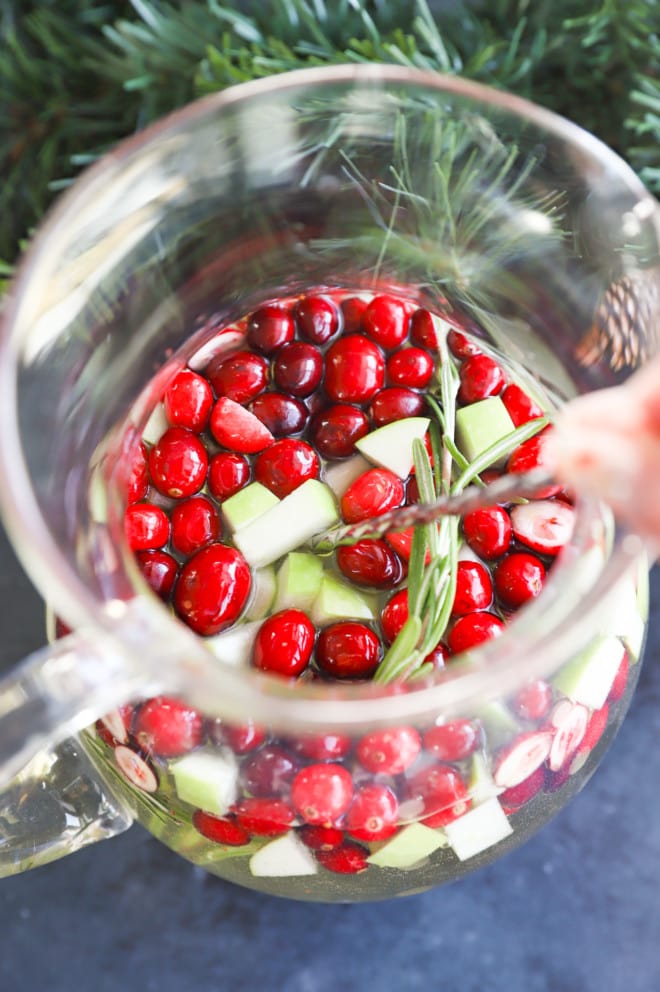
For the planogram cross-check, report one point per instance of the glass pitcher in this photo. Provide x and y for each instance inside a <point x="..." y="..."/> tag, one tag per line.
<point x="493" y="215"/>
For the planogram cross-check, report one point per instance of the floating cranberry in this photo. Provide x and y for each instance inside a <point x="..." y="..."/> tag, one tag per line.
<point x="488" y="531"/>
<point x="322" y="793"/>
<point x="438" y="657"/>
<point x="373" y="813"/>
<point x="410" y="367"/>
<point x="394" y="615"/>
<point x="212" y="589"/>
<point x="462" y="346"/>
<point x="321" y="838"/>
<point x="323" y="747"/>
<point x="146" y="526"/>
<point x="269" y="328"/>
<point x="238" y="429"/>
<point x="138" y="481"/>
<point x="386" y="321"/>
<point x="269" y="771"/>
<point x="286" y="465"/>
<point x="168" y="727"/>
<point x="452" y="741"/>
<point x="474" y="589"/>
<point x="317" y="319"/>
<point x="354" y="370"/>
<point x="284" y="643"/>
<point x="518" y="578"/>
<point x="395" y="403"/>
<point x="353" y="311"/>
<point x="240" y="376"/>
<point x="472" y="630"/>
<point x="178" y="463"/>
<point x="195" y="523"/>
<point x="423" y="331"/>
<point x="160" y="571"/>
<point x="240" y="737"/>
<point x="372" y="493"/>
<point x="264" y="816"/>
<point x="529" y="455"/>
<point x="228" y="472"/>
<point x="370" y="563"/>
<point x="281" y="414"/>
<point x="335" y="429"/>
<point x="481" y="377"/>
<point x="220" y="829"/>
<point x="520" y="406"/>
<point x="348" y="650"/>
<point x="188" y="400"/>
<point x="298" y="368"/>
<point x="347" y="859"/>
<point x="389" y="752"/>
<point x="443" y="792"/>
<point x="532" y="702"/>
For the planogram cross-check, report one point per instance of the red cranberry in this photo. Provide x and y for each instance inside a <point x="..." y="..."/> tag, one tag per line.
<point x="620" y="681"/>
<point x="138" y="482"/>
<point x="516" y="796"/>
<point x="444" y="794"/>
<point x="160" y="571"/>
<point x="389" y="752"/>
<point x="370" y="563"/>
<point x="394" y="615"/>
<point x="178" y="463"/>
<point x="348" y="650"/>
<point x="322" y="793"/>
<point x="238" y="429"/>
<point x="474" y="590"/>
<point x="412" y="490"/>
<point x="280" y="413"/>
<point x="481" y="377"/>
<point x="220" y="829"/>
<point x="240" y="737"/>
<point x="529" y="455"/>
<point x="386" y="321"/>
<point x="146" y="526"/>
<point x="472" y="630"/>
<point x="373" y="813"/>
<point x="228" y="472"/>
<point x="347" y="859"/>
<point x="298" y="368"/>
<point x="518" y="578"/>
<point x="284" y="643"/>
<point x="264" y="816"/>
<point x="410" y="367"/>
<point x="533" y="701"/>
<point x="269" y="771"/>
<point x="335" y="429"/>
<point x="520" y="407"/>
<point x="195" y="523"/>
<point x="317" y="319"/>
<point x="354" y="370"/>
<point x="323" y="747"/>
<point x="438" y="657"/>
<point x="269" y="328"/>
<point x="286" y="465"/>
<point x="321" y="838"/>
<point x="352" y="310"/>
<point x="188" y="400"/>
<point x="488" y="531"/>
<point x="240" y="376"/>
<point x="395" y="403"/>
<point x="453" y="741"/>
<point x="372" y="493"/>
<point x="461" y="346"/>
<point x="423" y="331"/>
<point x="168" y="727"/>
<point x="212" y="589"/>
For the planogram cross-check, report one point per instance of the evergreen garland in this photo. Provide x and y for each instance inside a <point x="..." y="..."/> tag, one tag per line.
<point x="78" y="75"/>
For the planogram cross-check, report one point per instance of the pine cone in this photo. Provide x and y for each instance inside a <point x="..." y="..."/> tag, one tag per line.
<point x="626" y="327"/>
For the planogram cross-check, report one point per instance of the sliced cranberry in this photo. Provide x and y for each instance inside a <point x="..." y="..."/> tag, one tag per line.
<point x="395" y="403"/>
<point x="372" y="493"/>
<point x="522" y="757"/>
<point x="146" y="526"/>
<point x="160" y="571"/>
<point x="178" y="463"/>
<point x="323" y="747"/>
<point x="317" y="319"/>
<point x="373" y="813"/>
<point x="282" y="414"/>
<point x="188" y="400"/>
<point x="474" y="590"/>
<point x="595" y="729"/>
<point x="423" y="331"/>
<point x="238" y="429"/>
<point x="321" y="838"/>
<point x="411" y="367"/>
<point x="269" y="328"/>
<point x="335" y="429"/>
<point x="348" y="650"/>
<point x="264" y="816"/>
<point x="284" y="643"/>
<point x="520" y="406"/>
<point x="443" y="792"/>
<point x="240" y="737"/>
<point x="370" y="563"/>
<point x="195" y="523"/>
<point x="533" y="701"/>
<point x="529" y="455"/>
<point x="386" y="321"/>
<point x="220" y="829"/>
<point x="298" y="368"/>
<point x="354" y="370"/>
<point x="269" y="771"/>
<point x="353" y="311"/>
<point x="347" y="859"/>
<point x="518" y="578"/>
<point x="517" y="796"/>
<point x="212" y="589"/>
<point x="389" y="752"/>
<point x="545" y="525"/>
<point x="452" y="741"/>
<point x="321" y="793"/>
<point x="240" y="376"/>
<point x="168" y="727"/>
<point x="481" y="377"/>
<point x="136" y="769"/>
<point x="138" y="482"/>
<point x="228" y="472"/>
<point x="394" y="615"/>
<point x="286" y="465"/>
<point x="569" y="721"/>
<point x="461" y="346"/>
<point x="473" y="629"/>
<point x="618" y="687"/>
<point x="488" y="531"/>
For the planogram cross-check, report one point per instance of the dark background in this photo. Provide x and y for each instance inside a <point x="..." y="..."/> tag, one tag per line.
<point x="574" y="910"/>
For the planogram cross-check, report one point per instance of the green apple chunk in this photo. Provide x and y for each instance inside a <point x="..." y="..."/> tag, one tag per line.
<point x="234" y="646"/>
<point x="624" y="619"/>
<point x="339" y="475"/>
<point x="207" y="780"/>
<point x="156" y="425"/>
<point x="298" y="581"/>
<point x="588" y="677"/>
<point x="337" y="600"/>
<point x="411" y="845"/>
<point x="264" y="585"/>
<point x="247" y="505"/>
<point x="308" y="510"/>
<point x="478" y="829"/>
<point x="391" y="446"/>
<point x="284" y="857"/>
<point x="498" y="722"/>
<point x="481" y="424"/>
<point x="481" y="785"/>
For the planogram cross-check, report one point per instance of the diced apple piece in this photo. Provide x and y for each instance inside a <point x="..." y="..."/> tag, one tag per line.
<point x="588" y="677"/>
<point x="339" y="475"/>
<point x="308" y="510"/>
<point x="499" y="723"/>
<point x="338" y="600"/>
<point x="156" y="425"/>
<point x="478" y="829"/>
<point x="481" y="424"/>
<point x="391" y="446"/>
<point x="481" y="785"/>
<point x="228" y="338"/>
<point x="284" y="857"/>
<point x="412" y="844"/>
<point x="207" y="780"/>
<point x="264" y="585"/>
<point x="247" y="505"/>
<point x="623" y="618"/>
<point x="234" y="646"/>
<point x="298" y="581"/>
